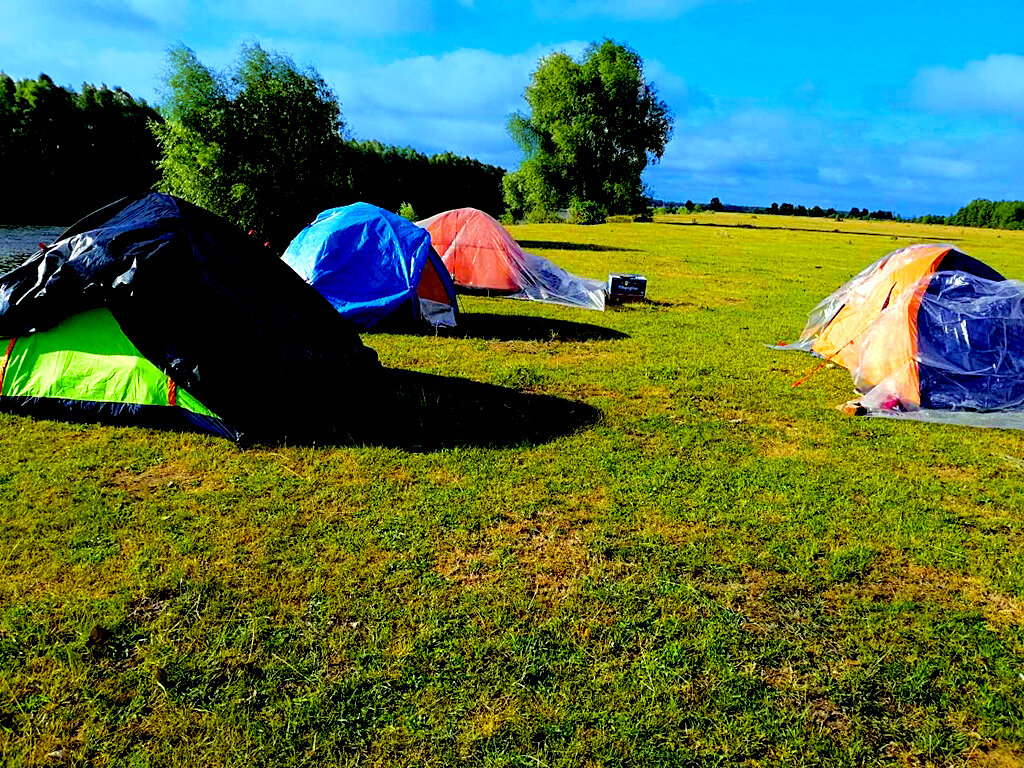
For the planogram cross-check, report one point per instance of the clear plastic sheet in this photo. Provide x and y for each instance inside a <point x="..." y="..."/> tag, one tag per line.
<point x="481" y="256"/>
<point x="966" y="353"/>
<point x="823" y="314"/>
<point x="543" y="280"/>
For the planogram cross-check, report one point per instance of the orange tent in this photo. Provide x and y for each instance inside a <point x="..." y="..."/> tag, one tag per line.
<point x="838" y="322"/>
<point x="481" y="256"/>
<point x="477" y="250"/>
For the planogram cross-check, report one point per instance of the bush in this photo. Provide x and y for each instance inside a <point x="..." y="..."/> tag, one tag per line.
<point x="543" y="216"/>
<point x="586" y="212"/>
<point x="507" y="219"/>
<point x="619" y="219"/>
<point x="406" y="211"/>
<point x="645" y="217"/>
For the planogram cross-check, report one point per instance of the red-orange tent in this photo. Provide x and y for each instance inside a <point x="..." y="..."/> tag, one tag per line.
<point x="481" y="256"/>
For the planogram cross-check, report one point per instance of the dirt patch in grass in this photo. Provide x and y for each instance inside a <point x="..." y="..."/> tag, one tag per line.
<point x="920" y="583"/>
<point x="547" y="550"/>
<point x="170" y="475"/>
<point x="997" y="755"/>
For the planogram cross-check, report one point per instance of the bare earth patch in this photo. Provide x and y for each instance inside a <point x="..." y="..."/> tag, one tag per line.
<point x="171" y="474"/>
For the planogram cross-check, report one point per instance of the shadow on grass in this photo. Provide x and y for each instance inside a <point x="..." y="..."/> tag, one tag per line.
<point x="922" y="236"/>
<point x="424" y="412"/>
<point x="497" y="327"/>
<point x="487" y="325"/>
<point x="556" y="245"/>
<point x="396" y="409"/>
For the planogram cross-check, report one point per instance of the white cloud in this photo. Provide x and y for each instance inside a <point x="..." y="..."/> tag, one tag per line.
<point x="465" y="82"/>
<point x="993" y="85"/>
<point x="937" y="167"/>
<point x="837" y="176"/>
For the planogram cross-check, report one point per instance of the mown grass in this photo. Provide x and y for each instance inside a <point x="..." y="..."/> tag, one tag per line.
<point x="721" y="569"/>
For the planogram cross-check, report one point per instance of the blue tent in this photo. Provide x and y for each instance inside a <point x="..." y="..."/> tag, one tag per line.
<point x="372" y="264"/>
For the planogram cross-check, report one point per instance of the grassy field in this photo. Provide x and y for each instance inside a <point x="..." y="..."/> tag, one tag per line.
<point x="654" y="551"/>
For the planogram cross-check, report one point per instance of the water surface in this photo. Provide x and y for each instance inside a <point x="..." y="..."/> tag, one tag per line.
<point x="18" y="243"/>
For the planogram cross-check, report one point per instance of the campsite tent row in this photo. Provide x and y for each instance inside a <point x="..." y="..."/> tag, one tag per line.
<point x="374" y="266"/>
<point x="155" y="311"/>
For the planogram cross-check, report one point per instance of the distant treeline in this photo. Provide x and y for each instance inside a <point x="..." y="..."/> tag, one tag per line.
<point x="390" y="176"/>
<point x="1005" y="214"/>
<point x="785" y="209"/>
<point x="64" y="154"/>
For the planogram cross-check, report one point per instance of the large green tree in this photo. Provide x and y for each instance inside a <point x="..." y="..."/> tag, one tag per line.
<point x="259" y="145"/>
<point x="593" y="127"/>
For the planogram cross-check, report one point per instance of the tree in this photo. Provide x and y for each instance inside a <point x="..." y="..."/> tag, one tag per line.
<point x="260" y="146"/>
<point x="592" y="129"/>
<point x="65" y="154"/>
<point x="716" y="205"/>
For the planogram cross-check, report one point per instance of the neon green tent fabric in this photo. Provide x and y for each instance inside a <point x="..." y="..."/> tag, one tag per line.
<point x="87" y="359"/>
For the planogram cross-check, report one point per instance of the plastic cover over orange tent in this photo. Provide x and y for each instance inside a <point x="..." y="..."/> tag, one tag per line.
<point x="482" y="256"/>
<point x="928" y="333"/>
<point x="837" y="324"/>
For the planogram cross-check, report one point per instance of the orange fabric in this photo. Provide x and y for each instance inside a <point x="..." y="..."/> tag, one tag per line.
<point x="476" y="249"/>
<point x="888" y="352"/>
<point x="3" y="363"/>
<point x="837" y="340"/>
<point x="431" y="287"/>
<point x="172" y="392"/>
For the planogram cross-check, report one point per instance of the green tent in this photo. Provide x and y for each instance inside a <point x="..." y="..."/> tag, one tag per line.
<point x="87" y="364"/>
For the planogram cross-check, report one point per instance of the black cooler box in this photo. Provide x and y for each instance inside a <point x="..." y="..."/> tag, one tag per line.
<point x="626" y="288"/>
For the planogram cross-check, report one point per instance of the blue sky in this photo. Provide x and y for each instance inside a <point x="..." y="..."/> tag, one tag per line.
<point x="910" y="106"/>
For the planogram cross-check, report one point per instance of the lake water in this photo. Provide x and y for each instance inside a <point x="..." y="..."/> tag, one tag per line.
<point x="18" y="243"/>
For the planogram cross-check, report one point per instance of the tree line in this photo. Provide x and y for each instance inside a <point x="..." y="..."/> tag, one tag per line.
<point x="785" y="209"/>
<point x="263" y="145"/>
<point x="1004" y="214"/>
<point x="64" y="153"/>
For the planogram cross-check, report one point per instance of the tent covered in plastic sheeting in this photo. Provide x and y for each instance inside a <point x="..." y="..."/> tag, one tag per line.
<point x="928" y="333"/>
<point x="950" y="348"/>
<point x="836" y="324"/>
<point x="371" y="264"/>
<point x="154" y="311"/>
<point x="482" y="257"/>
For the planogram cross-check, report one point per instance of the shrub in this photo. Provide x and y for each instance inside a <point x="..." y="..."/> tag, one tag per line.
<point x="586" y="212"/>
<point x="543" y="216"/>
<point x="507" y="219"/>
<point x="645" y="217"/>
<point x="619" y="219"/>
<point x="406" y="211"/>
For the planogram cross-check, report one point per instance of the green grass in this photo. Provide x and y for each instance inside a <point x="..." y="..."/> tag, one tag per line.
<point x="718" y="569"/>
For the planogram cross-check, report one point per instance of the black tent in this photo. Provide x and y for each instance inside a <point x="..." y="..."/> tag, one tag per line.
<point x="220" y="314"/>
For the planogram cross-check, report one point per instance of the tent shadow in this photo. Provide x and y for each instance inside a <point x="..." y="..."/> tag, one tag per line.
<point x="423" y="412"/>
<point x="489" y="325"/>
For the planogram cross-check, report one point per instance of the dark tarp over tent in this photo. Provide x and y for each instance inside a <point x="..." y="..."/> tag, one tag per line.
<point x="235" y="330"/>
